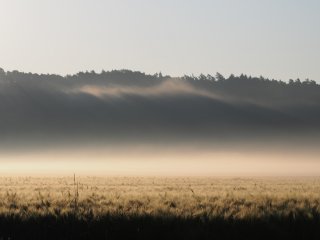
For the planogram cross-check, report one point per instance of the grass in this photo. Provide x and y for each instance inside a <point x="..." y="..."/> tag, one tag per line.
<point x="159" y="208"/>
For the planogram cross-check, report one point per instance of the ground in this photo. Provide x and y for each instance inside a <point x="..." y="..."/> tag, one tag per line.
<point x="159" y="208"/>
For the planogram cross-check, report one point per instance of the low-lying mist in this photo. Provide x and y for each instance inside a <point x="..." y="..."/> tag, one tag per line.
<point x="168" y="161"/>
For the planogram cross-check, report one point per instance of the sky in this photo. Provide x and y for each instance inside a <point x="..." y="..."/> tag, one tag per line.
<point x="274" y="38"/>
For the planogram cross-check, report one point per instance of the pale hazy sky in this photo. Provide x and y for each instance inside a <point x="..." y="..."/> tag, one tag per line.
<point x="274" y="38"/>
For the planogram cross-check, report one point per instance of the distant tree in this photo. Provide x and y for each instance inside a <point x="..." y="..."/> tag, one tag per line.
<point x="231" y="77"/>
<point x="220" y="77"/>
<point x="2" y="73"/>
<point x="309" y="82"/>
<point x="202" y="77"/>
<point x="243" y="77"/>
<point x="210" y="78"/>
<point x="312" y="82"/>
<point x="306" y="82"/>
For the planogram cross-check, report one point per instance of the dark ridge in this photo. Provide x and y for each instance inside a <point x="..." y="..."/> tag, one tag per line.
<point x="122" y="105"/>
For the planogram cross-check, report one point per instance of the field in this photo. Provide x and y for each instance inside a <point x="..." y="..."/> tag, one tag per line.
<point x="159" y="208"/>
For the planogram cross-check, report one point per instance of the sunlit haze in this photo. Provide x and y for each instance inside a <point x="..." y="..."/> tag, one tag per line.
<point x="164" y="161"/>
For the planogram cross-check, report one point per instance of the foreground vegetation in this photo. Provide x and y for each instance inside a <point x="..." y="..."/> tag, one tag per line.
<point x="159" y="208"/>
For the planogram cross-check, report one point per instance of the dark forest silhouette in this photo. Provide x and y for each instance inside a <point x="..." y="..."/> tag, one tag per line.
<point x="123" y="104"/>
